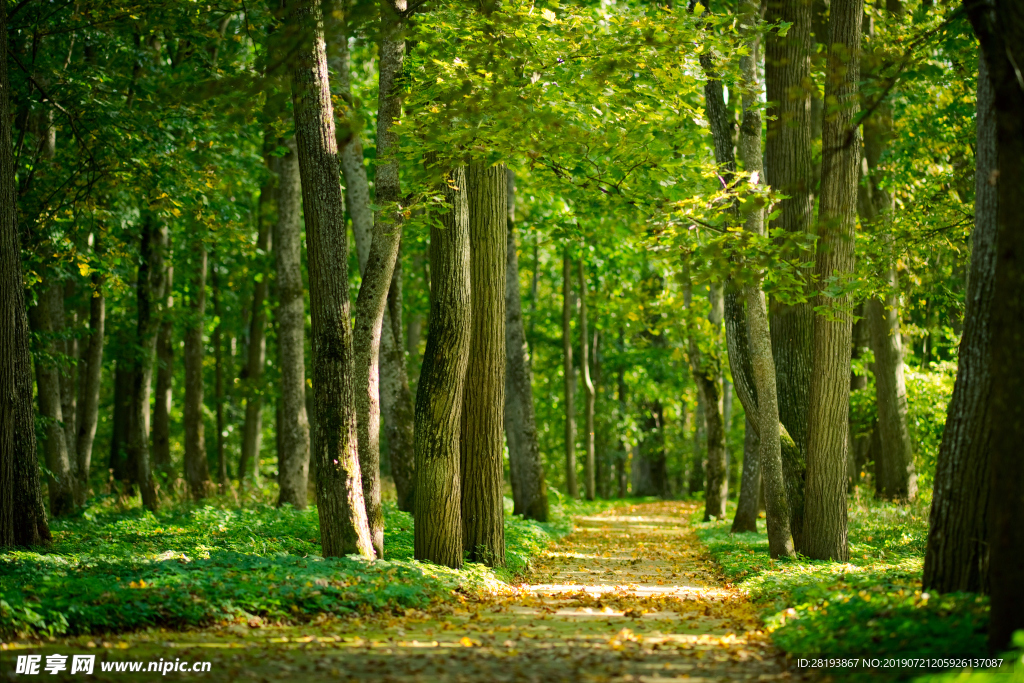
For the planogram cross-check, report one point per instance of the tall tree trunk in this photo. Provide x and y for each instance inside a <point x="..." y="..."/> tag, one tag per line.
<point x="588" y="389"/>
<point x="750" y="354"/>
<point x="219" y="393"/>
<point x="61" y="480"/>
<point x="957" y="555"/>
<point x="696" y="483"/>
<point x="89" y="379"/>
<point x="567" y="371"/>
<point x="66" y="322"/>
<point x="195" y="429"/>
<point x="439" y="394"/>
<point x="256" y="357"/>
<point x="526" y="467"/>
<point x="149" y="279"/>
<point x="483" y="399"/>
<point x="164" y="366"/>
<point x="750" y="483"/>
<point x="342" y="512"/>
<point x="859" y="443"/>
<point x="293" y="436"/>
<point x="22" y="515"/>
<point x="1000" y="29"/>
<point x="825" y="535"/>
<point x="787" y="67"/>
<point x="623" y="454"/>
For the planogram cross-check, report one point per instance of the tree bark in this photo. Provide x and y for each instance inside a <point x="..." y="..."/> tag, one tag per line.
<point x="293" y="436"/>
<point x="60" y="482"/>
<point x="22" y="515"/>
<point x="750" y="483"/>
<point x="1000" y="30"/>
<point x="567" y="371"/>
<point x="342" y="512"/>
<point x="89" y="379"/>
<point x="219" y="393"/>
<point x="588" y="390"/>
<point x="65" y="324"/>
<point x="825" y="533"/>
<point x="788" y="83"/>
<point x="256" y="358"/>
<point x="483" y="399"/>
<point x="439" y="395"/>
<point x="164" y="366"/>
<point x="149" y="279"/>
<point x="957" y="555"/>
<point x="195" y="429"/>
<point x="526" y="467"/>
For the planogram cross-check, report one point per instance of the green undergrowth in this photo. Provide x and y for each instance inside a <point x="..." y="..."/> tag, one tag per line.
<point x="872" y="606"/>
<point x="111" y="569"/>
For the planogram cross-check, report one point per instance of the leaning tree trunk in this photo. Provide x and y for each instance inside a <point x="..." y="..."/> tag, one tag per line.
<point x="588" y="390"/>
<point x="787" y="68"/>
<point x="439" y="395"/>
<point x="150" y="278"/>
<point x="1000" y="29"/>
<point x="567" y="372"/>
<point x="526" y="467"/>
<point x="483" y="400"/>
<point x="195" y="429"/>
<point x="165" y="366"/>
<point x="256" y="358"/>
<point x="22" y="516"/>
<point x="750" y="353"/>
<point x="956" y="558"/>
<point x="89" y="379"/>
<point x="61" y="480"/>
<point x="342" y="512"/>
<point x="825" y="534"/>
<point x="293" y="430"/>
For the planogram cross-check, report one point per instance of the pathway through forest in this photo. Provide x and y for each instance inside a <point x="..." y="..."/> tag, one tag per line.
<point x="630" y="595"/>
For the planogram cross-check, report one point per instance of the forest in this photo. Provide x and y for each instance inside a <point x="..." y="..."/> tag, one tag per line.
<point x="512" y="340"/>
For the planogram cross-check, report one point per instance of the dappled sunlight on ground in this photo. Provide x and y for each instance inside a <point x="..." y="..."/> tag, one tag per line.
<point x="629" y="596"/>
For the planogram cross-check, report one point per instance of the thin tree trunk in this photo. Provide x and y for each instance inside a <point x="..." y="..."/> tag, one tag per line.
<point x="825" y="533"/>
<point x="293" y="436"/>
<point x="439" y="395"/>
<point x="567" y="371"/>
<point x="858" y="442"/>
<point x="219" y="393"/>
<point x="342" y="512"/>
<point x="22" y="515"/>
<point x="620" y="464"/>
<point x="89" y="379"/>
<point x="483" y="399"/>
<point x="1000" y="30"/>
<point x="65" y="322"/>
<point x="256" y="357"/>
<point x="696" y="482"/>
<point x="195" y="429"/>
<point x="746" y="505"/>
<point x="787" y="67"/>
<point x="149" y="279"/>
<point x="588" y="390"/>
<point x="526" y="467"/>
<point x="60" y="482"/>
<point x="957" y="555"/>
<point x="165" y="367"/>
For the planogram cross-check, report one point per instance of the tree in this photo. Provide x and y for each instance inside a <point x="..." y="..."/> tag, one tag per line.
<point x="164" y="361"/>
<point x="89" y="377"/>
<point x="22" y="516"/>
<point x="481" y="445"/>
<point x="787" y="70"/>
<point x="342" y="512"/>
<point x="293" y="426"/>
<point x="149" y="279"/>
<point x="1000" y="30"/>
<point x="526" y="468"/>
<point x="957" y="555"/>
<point x="570" y="378"/>
<point x="195" y="429"/>
<point x="439" y="394"/>
<point x="824" y="534"/>
<point x="588" y="390"/>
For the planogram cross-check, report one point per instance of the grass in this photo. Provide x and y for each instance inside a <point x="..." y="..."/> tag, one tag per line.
<point x="114" y="569"/>
<point x="872" y="606"/>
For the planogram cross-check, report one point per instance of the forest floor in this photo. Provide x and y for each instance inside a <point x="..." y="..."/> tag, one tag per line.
<point x="630" y="595"/>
